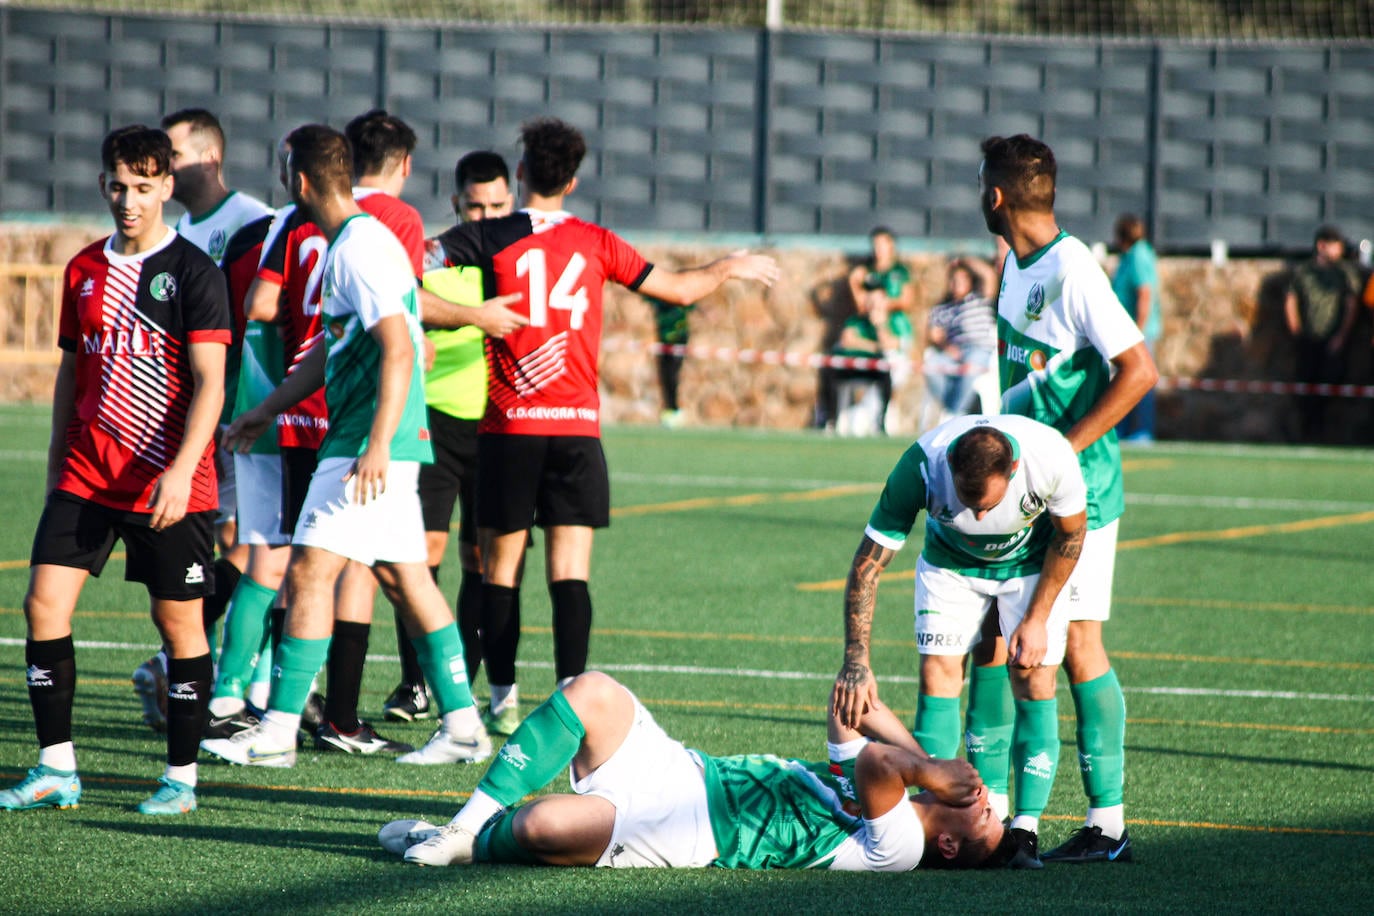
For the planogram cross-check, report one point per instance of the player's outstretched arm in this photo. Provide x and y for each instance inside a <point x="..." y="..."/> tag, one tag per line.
<point x="855" y="687"/>
<point x="684" y="287"/>
<point x="304" y="379"/>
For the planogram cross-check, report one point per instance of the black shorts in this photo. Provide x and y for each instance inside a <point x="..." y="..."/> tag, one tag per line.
<point x="176" y="564"/>
<point x="452" y="478"/>
<point x="297" y="467"/>
<point x="541" y="480"/>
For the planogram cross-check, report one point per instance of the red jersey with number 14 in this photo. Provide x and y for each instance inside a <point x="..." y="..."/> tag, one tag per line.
<point x="542" y="378"/>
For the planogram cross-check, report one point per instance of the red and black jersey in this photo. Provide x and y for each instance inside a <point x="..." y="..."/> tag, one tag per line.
<point x="240" y="266"/>
<point x="130" y="321"/>
<point x="542" y="378"/>
<point x="293" y="257"/>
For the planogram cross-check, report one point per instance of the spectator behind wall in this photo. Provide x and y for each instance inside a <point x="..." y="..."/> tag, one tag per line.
<point x="1136" y="284"/>
<point x="1319" y="311"/>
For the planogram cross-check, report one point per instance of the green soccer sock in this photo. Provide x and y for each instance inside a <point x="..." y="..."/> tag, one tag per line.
<point x="497" y="843"/>
<point x="989" y="725"/>
<point x="937" y="725"/>
<point x="298" y="661"/>
<point x="541" y="748"/>
<point x="1035" y="753"/>
<point x="1101" y="710"/>
<point x="244" y="626"/>
<point x="441" y="659"/>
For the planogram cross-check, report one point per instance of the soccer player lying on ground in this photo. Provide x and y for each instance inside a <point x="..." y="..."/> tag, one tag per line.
<point x="643" y="800"/>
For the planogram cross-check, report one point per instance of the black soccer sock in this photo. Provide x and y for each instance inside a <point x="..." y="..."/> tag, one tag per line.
<point x="572" y="626"/>
<point x="470" y="620"/>
<point x="52" y="685"/>
<point x="226" y="580"/>
<point x="278" y="624"/>
<point x="410" y="663"/>
<point x="345" y="666"/>
<point x="189" y="684"/>
<point x="500" y="633"/>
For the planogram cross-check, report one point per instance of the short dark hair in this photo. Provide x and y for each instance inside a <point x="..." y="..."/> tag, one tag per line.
<point x="970" y="856"/>
<point x="323" y="155"/>
<point x="1328" y="233"/>
<point x="882" y="230"/>
<point x="378" y="140"/>
<point x="147" y="151"/>
<point x="479" y="167"/>
<point x="200" y="120"/>
<point x="1129" y="229"/>
<point x="553" y="151"/>
<point x="977" y="455"/>
<point x="1024" y="168"/>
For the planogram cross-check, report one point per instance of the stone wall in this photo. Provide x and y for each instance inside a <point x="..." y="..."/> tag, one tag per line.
<point x="1219" y="322"/>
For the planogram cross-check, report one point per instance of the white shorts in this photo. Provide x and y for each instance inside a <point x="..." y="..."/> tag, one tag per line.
<point x="259" y="512"/>
<point x="659" y="794"/>
<point x="950" y="608"/>
<point x="224" y="469"/>
<point x="1089" y="590"/>
<point x="389" y="528"/>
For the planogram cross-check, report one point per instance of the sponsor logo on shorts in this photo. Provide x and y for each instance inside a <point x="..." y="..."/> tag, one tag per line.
<point x="195" y="574"/>
<point x="39" y="677"/>
<point x="163" y="287"/>
<point x="1039" y="766"/>
<point x="939" y="640"/>
<point x="512" y="754"/>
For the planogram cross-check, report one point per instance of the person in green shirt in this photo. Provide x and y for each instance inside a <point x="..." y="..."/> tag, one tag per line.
<point x="671" y="321"/>
<point x="642" y="799"/>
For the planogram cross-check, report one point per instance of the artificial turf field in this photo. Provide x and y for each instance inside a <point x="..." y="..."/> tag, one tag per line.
<point x="1242" y="634"/>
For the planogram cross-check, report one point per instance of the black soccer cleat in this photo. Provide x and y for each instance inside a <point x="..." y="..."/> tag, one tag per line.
<point x="230" y="725"/>
<point x="364" y="741"/>
<point x="1027" y="853"/>
<point x="1087" y="844"/>
<point x="408" y="703"/>
<point x="312" y="715"/>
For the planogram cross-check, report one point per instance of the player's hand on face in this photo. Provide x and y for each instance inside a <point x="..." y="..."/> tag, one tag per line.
<point x="854" y="693"/>
<point x="246" y="429"/>
<point x="954" y="782"/>
<point x="168" y="500"/>
<point x="496" y="320"/>
<point x="1028" y="644"/>
<point x="368" y="473"/>
<point x="760" y="267"/>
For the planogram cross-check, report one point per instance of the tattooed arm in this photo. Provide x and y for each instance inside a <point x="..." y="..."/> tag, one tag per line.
<point x="1026" y="648"/>
<point x="855" y="688"/>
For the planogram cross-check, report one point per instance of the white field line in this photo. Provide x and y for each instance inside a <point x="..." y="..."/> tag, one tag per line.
<point x="764" y="674"/>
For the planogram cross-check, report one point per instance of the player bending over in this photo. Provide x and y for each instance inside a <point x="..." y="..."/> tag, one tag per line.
<point x="643" y="800"/>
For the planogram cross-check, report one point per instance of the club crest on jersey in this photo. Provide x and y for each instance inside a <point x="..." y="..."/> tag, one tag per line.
<point x="1035" y="301"/>
<point x="163" y="287"/>
<point x="1031" y="505"/>
<point x="218" y="242"/>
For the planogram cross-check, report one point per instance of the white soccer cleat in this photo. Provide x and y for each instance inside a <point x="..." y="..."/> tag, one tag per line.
<point x="398" y="836"/>
<point x="450" y="845"/>
<point x="251" y="747"/>
<point x="446" y="748"/>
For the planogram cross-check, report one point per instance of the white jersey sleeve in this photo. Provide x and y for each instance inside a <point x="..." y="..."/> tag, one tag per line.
<point x="1095" y="310"/>
<point x="385" y="285"/>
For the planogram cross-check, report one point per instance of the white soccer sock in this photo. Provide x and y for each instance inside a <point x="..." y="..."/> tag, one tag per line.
<point x="502" y="696"/>
<point x="183" y="774"/>
<point x="480" y="808"/>
<point x="259" y="692"/>
<point x="847" y="750"/>
<point x="1001" y="804"/>
<point x="281" y="727"/>
<point x="1026" y="822"/>
<point x="59" y="757"/>
<point x="1110" y="820"/>
<point x="225" y="706"/>
<point x="460" y="723"/>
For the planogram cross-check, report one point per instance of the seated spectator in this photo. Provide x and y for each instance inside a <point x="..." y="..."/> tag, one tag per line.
<point x="961" y="337"/>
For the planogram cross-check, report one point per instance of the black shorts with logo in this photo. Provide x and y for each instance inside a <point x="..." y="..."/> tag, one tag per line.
<point x="452" y="478"/>
<point x="297" y="467"/>
<point x="176" y="564"/>
<point x="541" y="480"/>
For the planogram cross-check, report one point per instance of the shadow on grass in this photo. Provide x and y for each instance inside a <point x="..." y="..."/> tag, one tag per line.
<point x="1286" y="762"/>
